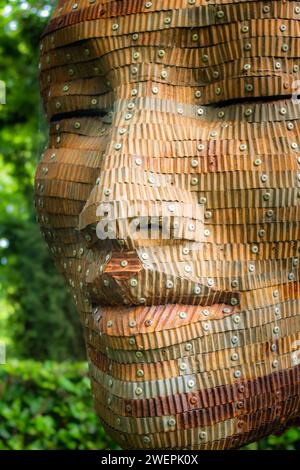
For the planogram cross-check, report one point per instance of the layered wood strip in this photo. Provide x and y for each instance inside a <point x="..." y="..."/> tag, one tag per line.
<point x="169" y="197"/>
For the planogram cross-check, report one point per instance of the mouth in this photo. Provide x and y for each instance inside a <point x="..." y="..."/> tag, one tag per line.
<point x="132" y="278"/>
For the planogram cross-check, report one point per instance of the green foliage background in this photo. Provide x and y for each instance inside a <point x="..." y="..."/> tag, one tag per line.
<point x="44" y="403"/>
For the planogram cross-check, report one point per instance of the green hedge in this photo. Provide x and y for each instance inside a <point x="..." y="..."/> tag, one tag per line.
<point x="48" y="406"/>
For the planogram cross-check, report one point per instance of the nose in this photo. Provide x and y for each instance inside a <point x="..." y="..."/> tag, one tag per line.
<point x="140" y="178"/>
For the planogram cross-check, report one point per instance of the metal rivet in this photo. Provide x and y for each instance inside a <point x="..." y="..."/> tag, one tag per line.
<point x="124" y="263"/>
<point x="132" y="323"/>
<point x="276" y="330"/>
<point x="195" y="37"/>
<point x="115" y="27"/>
<point x="257" y="162"/>
<point x="202" y="435"/>
<point x="182" y="315"/>
<point x="237" y="374"/>
<point x="140" y="373"/>
<point x="172" y="422"/>
<point x="188" y="347"/>
<point x="133" y="282"/>
<point x="191" y="383"/>
<point x="138" y="391"/>
<point x="234" y="357"/>
<point x="275" y="363"/>
<point x="234" y="340"/>
<point x="198" y="94"/>
<point x="169" y="284"/>
<point x="264" y="178"/>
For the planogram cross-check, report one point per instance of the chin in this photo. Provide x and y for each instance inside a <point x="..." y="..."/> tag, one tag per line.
<point x="179" y="376"/>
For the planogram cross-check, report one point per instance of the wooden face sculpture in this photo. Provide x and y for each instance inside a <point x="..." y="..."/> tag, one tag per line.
<point x="169" y="196"/>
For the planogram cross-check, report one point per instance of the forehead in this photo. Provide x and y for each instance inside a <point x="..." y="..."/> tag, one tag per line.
<point x="223" y="51"/>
